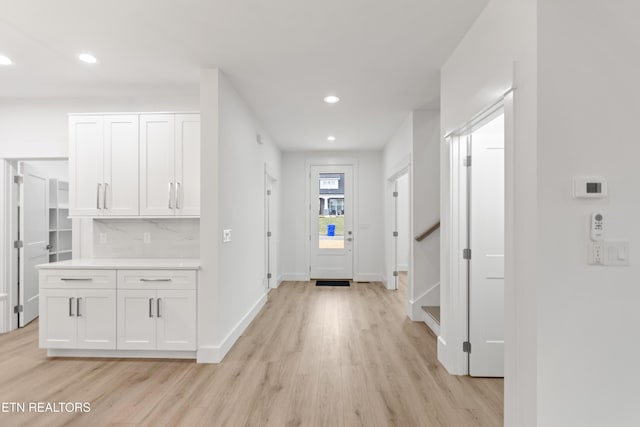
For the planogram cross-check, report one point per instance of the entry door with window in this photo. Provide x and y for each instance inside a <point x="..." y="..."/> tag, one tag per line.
<point x="331" y="227"/>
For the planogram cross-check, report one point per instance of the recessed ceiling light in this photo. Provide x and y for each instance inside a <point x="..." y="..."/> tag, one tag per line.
<point x="331" y="99"/>
<point x="5" y="60"/>
<point x="331" y="138"/>
<point x="87" y="58"/>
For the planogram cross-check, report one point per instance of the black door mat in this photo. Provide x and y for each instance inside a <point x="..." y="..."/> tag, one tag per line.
<point x="332" y="283"/>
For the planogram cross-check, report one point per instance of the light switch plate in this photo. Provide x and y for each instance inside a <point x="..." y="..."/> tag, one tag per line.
<point x="616" y="253"/>
<point x="226" y="236"/>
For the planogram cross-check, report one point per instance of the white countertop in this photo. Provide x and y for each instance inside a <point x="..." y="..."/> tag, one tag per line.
<point x="125" y="263"/>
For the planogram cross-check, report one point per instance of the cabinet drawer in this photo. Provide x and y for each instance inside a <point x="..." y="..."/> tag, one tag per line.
<point x="156" y="279"/>
<point x="77" y="279"/>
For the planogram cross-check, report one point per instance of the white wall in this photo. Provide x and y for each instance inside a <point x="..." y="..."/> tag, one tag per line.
<point x="588" y="316"/>
<point x="232" y="289"/>
<point x="38" y="127"/>
<point x="499" y="52"/>
<point x="294" y="239"/>
<point x="426" y="209"/>
<point x="416" y="144"/>
<point x="58" y="169"/>
<point x="404" y="223"/>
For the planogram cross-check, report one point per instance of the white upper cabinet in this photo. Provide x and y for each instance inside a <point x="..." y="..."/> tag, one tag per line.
<point x="135" y="165"/>
<point x="187" y="163"/>
<point x="170" y="165"/>
<point x="103" y="159"/>
<point x="85" y="165"/>
<point x="120" y="179"/>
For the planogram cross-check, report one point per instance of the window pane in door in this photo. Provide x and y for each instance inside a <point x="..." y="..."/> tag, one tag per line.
<point x="331" y="211"/>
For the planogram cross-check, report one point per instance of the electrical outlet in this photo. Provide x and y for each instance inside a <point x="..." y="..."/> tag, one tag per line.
<point x="226" y="236"/>
<point x="147" y="237"/>
<point x="596" y="253"/>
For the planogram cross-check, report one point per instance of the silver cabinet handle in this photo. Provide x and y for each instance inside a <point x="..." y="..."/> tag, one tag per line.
<point x="98" y="197"/>
<point x="155" y="280"/>
<point x="71" y="307"/>
<point x="150" y="307"/>
<point x="158" y="307"/>
<point x="170" y="195"/>
<point x="178" y="195"/>
<point x="76" y="279"/>
<point x="78" y="307"/>
<point x="106" y="187"/>
<point x="350" y="239"/>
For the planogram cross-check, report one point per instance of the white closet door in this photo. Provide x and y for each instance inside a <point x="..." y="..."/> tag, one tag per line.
<point x="157" y="165"/>
<point x="120" y="196"/>
<point x="486" y="285"/>
<point x="187" y="164"/>
<point x="86" y="191"/>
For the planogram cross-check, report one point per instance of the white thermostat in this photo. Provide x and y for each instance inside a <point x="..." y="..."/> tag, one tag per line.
<point x="589" y="187"/>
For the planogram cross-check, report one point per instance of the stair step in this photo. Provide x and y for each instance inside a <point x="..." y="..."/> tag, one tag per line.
<point x="433" y="311"/>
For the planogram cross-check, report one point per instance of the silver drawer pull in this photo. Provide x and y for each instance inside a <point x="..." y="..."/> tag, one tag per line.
<point x="98" y="197"/>
<point x="78" y="307"/>
<point x="76" y="279"/>
<point x="170" y="195"/>
<point x="155" y="280"/>
<point x="71" y="307"/>
<point x="106" y="187"/>
<point x="158" y="307"/>
<point x="178" y="196"/>
<point x="150" y="307"/>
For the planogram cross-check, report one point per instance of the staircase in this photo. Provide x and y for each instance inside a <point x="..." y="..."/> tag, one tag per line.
<point x="432" y="318"/>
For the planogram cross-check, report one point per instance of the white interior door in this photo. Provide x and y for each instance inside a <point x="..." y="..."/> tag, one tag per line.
<point x="486" y="238"/>
<point x="271" y="226"/>
<point x="34" y="233"/>
<point x="331" y="222"/>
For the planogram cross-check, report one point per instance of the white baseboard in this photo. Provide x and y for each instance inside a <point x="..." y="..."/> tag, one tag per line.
<point x="431" y="323"/>
<point x="430" y="297"/>
<point x="293" y="277"/>
<point x="134" y="354"/>
<point x="210" y="354"/>
<point x="368" y="277"/>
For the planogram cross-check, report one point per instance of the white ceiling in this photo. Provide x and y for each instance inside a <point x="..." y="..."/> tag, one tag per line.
<point x="382" y="57"/>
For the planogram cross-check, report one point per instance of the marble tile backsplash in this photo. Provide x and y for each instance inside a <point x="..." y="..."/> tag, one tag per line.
<point x="166" y="238"/>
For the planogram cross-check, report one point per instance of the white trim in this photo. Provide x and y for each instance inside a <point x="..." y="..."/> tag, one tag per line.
<point x="431" y="323"/>
<point x="211" y="354"/>
<point x="368" y="277"/>
<point x="294" y="277"/>
<point x="135" y="354"/>
<point x="428" y="298"/>
<point x="134" y="112"/>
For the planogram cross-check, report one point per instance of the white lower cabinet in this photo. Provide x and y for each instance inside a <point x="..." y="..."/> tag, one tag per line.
<point x="153" y="315"/>
<point x="78" y="318"/>
<point x="143" y="310"/>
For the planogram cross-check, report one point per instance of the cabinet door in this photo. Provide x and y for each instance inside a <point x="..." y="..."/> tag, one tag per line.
<point x="157" y="163"/>
<point x="176" y="320"/>
<point x="86" y="189"/>
<point x="57" y="323"/>
<point x="188" y="164"/>
<point x="120" y="193"/>
<point x="96" y="313"/>
<point x="136" y="320"/>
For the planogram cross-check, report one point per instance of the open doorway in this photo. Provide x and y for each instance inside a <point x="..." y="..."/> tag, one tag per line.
<point x="39" y="231"/>
<point x="477" y="218"/>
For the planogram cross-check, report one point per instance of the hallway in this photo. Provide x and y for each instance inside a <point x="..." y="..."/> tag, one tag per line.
<point x="313" y="356"/>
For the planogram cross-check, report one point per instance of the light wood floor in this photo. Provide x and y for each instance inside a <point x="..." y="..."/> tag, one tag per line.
<point x="315" y="356"/>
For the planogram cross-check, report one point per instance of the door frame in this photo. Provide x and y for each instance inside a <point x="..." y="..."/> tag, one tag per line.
<point x="454" y="328"/>
<point x="8" y="234"/>
<point x="271" y="223"/>
<point x="329" y="161"/>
